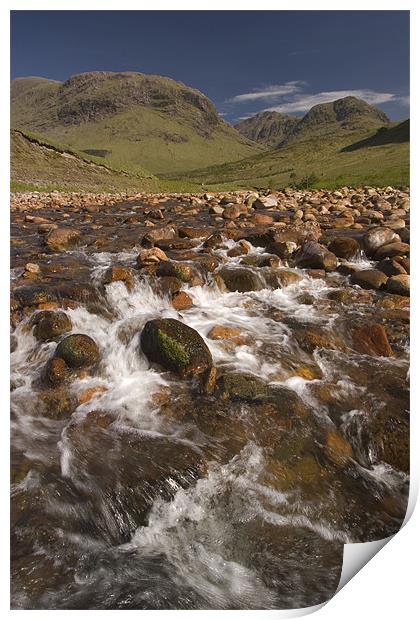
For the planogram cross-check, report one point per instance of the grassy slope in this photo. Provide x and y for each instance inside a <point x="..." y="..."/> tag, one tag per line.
<point x="36" y="163"/>
<point x="386" y="164"/>
<point x="146" y="137"/>
<point x="166" y="136"/>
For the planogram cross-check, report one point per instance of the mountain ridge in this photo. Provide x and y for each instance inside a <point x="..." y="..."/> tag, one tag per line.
<point x="140" y="120"/>
<point x="340" y="116"/>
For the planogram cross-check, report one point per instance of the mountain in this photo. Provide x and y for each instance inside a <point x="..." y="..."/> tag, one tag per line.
<point x="337" y="118"/>
<point x="130" y="119"/>
<point x="37" y="164"/>
<point x="269" y="128"/>
<point x="358" y="157"/>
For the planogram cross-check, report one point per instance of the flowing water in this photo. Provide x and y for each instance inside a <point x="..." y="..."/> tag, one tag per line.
<point x="151" y="495"/>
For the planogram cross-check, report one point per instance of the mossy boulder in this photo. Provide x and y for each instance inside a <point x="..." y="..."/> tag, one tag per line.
<point x="78" y="351"/>
<point x="50" y="325"/>
<point x="56" y="371"/>
<point x="175" y="346"/>
<point x="242" y="386"/>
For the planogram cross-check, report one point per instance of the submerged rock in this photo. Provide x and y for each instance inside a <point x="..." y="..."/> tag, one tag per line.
<point x="175" y="346"/>
<point x="241" y="386"/>
<point x="372" y="340"/>
<point x="241" y="280"/>
<point x="61" y="239"/>
<point x="78" y="351"/>
<point x="50" y="325"/>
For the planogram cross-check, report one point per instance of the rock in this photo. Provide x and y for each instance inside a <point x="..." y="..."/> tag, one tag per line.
<point x="231" y="212"/>
<point x="369" y="279"/>
<point x="181" y="300"/>
<point x="392" y="249"/>
<point x="399" y="285"/>
<point x="265" y="202"/>
<point x="282" y="249"/>
<point x="89" y="393"/>
<point x="176" y="347"/>
<point x="61" y="239"/>
<point x="208" y="381"/>
<point x="78" y="351"/>
<point x="286" y="278"/>
<point x="50" y="325"/>
<point x="311" y="338"/>
<point x="158" y="234"/>
<point x="377" y="237"/>
<point x="32" y="268"/>
<point x="390" y="435"/>
<point x="241" y="386"/>
<point x="56" y="371"/>
<point x="261" y="219"/>
<point x="372" y="340"/>
<point x="390" y="267"/>
<point x="182" y="271"/>
<point x="338" y="449"/>
<point x="57" y="403"/>
<point x="315" y="256"/>
<point x="240" y="279"/>
<point x="222" y="332"/>
<point x="344" y="247"/>
<point x="216" y="210"/>
<point x="150" y="257"/>
<point x="193" y="233"/>
<point x="119" y="273"/>
<point x="169" y="284"/>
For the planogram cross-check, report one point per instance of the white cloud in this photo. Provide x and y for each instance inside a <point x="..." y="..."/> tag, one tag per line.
<point x="304" y="102"/>
<point x="276" y="90"/>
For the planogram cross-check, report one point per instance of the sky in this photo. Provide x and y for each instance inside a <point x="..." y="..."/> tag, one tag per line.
<point x="245" y="61"/>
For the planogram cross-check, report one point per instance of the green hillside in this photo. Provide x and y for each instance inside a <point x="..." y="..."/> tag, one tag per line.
<point x="134" y="120"/>
<point x="38" y="164"/>
<point x="320" y="161"/>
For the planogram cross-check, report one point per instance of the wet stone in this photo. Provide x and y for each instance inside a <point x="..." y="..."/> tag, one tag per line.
<point x="78" y="351"/>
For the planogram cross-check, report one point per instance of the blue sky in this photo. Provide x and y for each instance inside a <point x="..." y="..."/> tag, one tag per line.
<point x="245" y="61"/>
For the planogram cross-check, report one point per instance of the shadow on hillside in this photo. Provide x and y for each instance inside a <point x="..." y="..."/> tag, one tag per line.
<point x="385" y="135"/>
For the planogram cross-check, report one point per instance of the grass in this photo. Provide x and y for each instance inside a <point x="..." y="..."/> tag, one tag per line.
<point x="320" y="158"/>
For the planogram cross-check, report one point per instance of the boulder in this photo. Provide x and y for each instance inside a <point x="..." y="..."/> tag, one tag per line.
<point x="175" y="346"/>
<point x="78" y="351"/>
<point x="119" y="273"/>
<point x="50" y="325"/>
<point x="391" y="267"/>
<point x="377" y="237"/>
<point x="158" y="234"/>
<point x="150" y="257"/>
<point x="369" y="279"/>
<point x="56" y="371"/>
<point x="182" y="271"/>
<point x="181" y="300"/>
<point x="315" y="256"/>
<point x="242" y="386"/>
<point x="399" y="285"/>
<point x="61" y="239"/>
<point x="372" y="340"/>
<point x="265" y="202"/>
<point x="398" y="248"/>
<point x="344" y="247"/>
<point x="241" y="279"/>
<point x="282" y="249"/>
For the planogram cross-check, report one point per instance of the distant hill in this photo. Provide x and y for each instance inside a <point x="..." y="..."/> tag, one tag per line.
<point x="338" y="117"/>
<point x="396" y="134"/>
<point x="269" y="128"/>
<point x="322" y="160"/>
<point x="132" y="119"/>
<point x="38" y="164"/>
